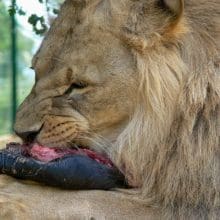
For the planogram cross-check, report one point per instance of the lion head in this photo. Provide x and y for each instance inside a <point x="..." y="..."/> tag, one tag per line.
<point x="140" y="81"/>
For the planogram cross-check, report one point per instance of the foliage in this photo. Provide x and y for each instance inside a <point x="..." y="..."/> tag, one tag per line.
<point x="38" y="22"/>
<point x="24" y="45"/>
<point x="34" y="19"/>
<point x="4" y="29"/>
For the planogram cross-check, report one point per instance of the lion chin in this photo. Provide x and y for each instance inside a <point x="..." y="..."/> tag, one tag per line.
<point x="138" y="81"/>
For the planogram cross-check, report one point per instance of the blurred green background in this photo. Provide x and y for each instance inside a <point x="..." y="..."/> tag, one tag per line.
<point x="27" y="44"/>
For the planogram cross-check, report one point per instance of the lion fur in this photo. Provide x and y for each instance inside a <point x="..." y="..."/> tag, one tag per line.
<point x="169" y="150"/>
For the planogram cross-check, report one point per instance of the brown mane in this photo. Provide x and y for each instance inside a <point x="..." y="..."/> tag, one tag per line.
<point x="158" y="110"/>
<point x="172" y="152"/>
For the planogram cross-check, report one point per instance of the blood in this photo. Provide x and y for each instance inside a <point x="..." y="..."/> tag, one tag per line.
<point x="47" y="154"/>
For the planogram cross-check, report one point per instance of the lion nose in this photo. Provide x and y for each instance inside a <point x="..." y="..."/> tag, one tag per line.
<point x="28" y="136"/>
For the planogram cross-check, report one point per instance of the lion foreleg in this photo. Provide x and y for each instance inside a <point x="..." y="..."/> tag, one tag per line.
<point x="19" y="200"/>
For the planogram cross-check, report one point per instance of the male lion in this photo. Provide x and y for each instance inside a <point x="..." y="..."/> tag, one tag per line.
<point x="139" y="80"/>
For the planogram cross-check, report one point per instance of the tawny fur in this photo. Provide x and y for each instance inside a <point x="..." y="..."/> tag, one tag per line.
<point x="156" y="96"/>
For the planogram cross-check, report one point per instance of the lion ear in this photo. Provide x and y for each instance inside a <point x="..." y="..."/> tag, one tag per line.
<point x="174" y="6"/>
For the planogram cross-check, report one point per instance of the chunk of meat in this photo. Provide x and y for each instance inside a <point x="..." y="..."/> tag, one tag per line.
<point x="46" y="154"/>
<point x="65" y="168"/>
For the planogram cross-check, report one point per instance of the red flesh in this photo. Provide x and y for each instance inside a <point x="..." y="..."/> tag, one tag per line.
<point x="47" y="154"/>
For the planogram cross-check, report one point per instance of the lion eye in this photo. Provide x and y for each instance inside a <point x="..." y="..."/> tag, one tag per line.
<point x="79" y="85"/>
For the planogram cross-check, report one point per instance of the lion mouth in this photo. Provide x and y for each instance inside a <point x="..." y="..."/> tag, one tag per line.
<point x="48" y="154"/>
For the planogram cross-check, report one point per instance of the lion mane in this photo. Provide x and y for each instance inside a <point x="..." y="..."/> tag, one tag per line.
<point x="171" y="152"/>
<point x="170" y="149"/>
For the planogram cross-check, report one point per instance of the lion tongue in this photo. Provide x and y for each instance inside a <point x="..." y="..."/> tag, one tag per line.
<point x="46" y="154"/>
